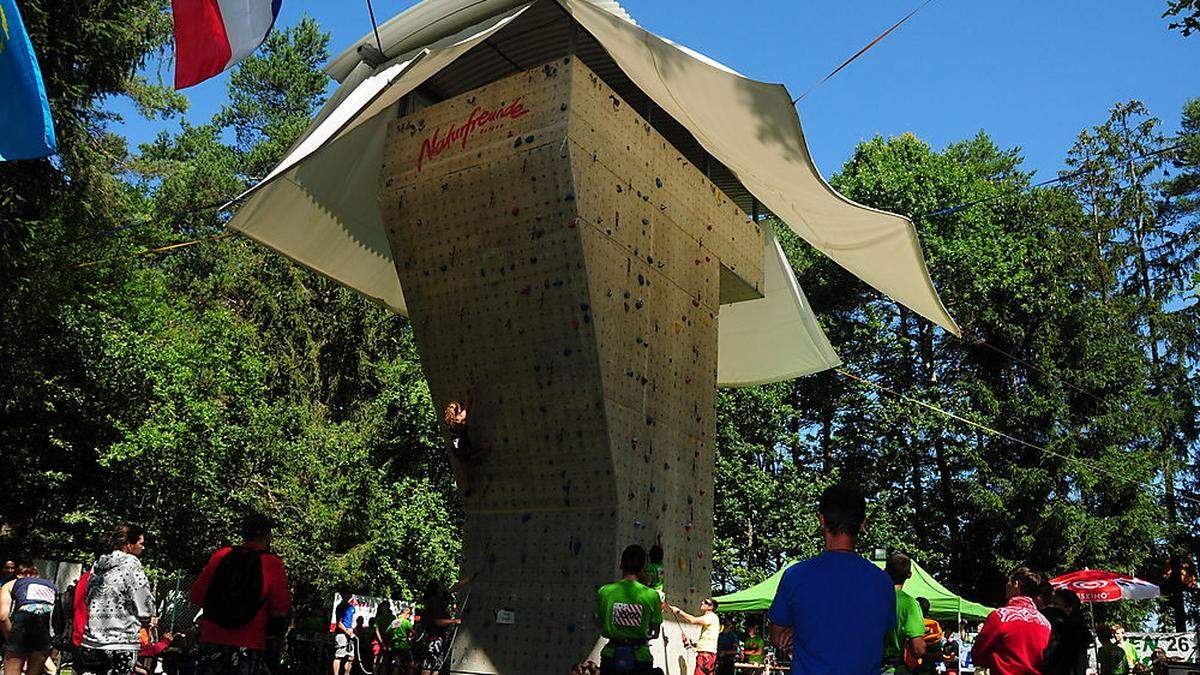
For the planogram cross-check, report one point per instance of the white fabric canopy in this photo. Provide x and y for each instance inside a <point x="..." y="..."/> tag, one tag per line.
<point x="318" y="207"/>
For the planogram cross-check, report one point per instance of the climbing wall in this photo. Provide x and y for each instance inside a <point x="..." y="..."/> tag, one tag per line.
<point x="563" y="268"/>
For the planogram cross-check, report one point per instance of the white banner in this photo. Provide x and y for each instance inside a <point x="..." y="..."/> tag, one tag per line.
<point x="1179" y="647"/>
<point x="364" y="607"/>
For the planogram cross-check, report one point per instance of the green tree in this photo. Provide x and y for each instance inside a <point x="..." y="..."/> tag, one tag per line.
<point x="181" y="391"/>
<point x="967" y="503"/>
<point x="88" y="52"/>
<point x="1142" y="252"/>
<point x="1186" y="15"/>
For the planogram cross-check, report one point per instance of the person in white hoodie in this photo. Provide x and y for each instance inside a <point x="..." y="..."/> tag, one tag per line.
<point x="119" y="603"/>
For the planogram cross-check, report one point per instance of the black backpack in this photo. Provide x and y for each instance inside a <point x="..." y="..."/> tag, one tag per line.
<point x="235" y="591"/>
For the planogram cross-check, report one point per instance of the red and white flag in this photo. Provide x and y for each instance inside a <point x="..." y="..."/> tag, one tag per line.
<point x="212" y="36"/>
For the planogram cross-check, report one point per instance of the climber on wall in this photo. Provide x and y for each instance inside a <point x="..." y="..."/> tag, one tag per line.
<point x="654" y="568"/>
<point x="465" y="453"/>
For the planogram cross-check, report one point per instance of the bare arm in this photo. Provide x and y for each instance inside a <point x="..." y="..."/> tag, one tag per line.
<point x="781" y="637"/>
<point x="6" y="605"/>
<point x="917" y="645"/>
<point x="688" y="618"/>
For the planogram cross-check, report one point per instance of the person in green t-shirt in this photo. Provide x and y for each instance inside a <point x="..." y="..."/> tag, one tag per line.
<point x="629" y="615"/>
<point x="904" y="645"/>
<point x="653" y="576"/>
<point x="754" y="646"/>
<point x="400" y="642"/>
<point x="1116" y="657"/>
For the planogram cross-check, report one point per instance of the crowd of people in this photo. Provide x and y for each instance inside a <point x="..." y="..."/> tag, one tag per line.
<point x="410" y="643"/>
<point x="102" y="623"/>
<point x="839" y="613"/>
<point x="833" y="613"/>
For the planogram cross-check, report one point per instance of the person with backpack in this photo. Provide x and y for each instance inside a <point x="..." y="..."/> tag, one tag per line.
<point x="244" y="593"/>
<point x="119" y="603"/>
<point x="25" y="606"/>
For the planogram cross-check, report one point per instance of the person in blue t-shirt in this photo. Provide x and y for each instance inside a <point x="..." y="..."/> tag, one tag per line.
<point x="729" y="643"/>
<point x="343" y="638"/>
<point x="832" y="611"/>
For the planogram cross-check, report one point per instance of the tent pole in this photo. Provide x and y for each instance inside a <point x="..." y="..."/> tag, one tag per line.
<point x="961" y="632"/>
<point x="1095" y="634"/>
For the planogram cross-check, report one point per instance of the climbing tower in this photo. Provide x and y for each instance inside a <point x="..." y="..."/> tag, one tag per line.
<point x="564" y="266"/>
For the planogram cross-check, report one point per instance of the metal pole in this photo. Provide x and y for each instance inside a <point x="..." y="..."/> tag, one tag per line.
<point x="1095" y="634"/>
<point x="374" y="26"/>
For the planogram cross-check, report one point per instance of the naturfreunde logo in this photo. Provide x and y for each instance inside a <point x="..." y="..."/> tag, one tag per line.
<point x="437" y="143"/>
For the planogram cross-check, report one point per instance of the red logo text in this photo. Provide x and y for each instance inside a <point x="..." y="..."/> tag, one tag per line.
<point x="479" y="118"/>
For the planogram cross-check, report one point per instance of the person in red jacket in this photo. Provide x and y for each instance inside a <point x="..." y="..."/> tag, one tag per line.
<point x="241" y="649"/>
<point x="1014" y="636"/>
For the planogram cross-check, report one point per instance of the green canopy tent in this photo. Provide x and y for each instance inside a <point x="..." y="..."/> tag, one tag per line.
<point x="943" y="605"/>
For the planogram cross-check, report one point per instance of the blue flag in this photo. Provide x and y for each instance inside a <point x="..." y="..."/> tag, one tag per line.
<point x="26" y="130"/>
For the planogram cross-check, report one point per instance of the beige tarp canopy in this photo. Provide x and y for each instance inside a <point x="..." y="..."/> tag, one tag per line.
<point x="318" y="207"/>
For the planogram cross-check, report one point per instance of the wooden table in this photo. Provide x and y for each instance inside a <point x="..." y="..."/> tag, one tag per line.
<point x="767" y="669"/>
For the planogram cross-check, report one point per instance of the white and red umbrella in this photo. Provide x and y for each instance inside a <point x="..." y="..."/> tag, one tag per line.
<point x="1101" y="586"/>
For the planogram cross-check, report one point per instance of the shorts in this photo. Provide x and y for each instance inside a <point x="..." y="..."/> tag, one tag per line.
<point x="343" y="647"/>
<point x="435" y="650"/>
<point x="30" y="632"/>
<point x="608" y="667"/>
<point x="706" y="663"/>
<point x="230" y="660"/>
<point x="105" y="661"/>
<point x="402" y="656"/>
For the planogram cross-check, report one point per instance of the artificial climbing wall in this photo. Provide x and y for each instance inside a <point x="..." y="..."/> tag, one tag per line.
<point x="563" y="268"/>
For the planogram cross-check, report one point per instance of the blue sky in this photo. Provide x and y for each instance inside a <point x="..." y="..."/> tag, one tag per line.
<point x="1030" y="73"/>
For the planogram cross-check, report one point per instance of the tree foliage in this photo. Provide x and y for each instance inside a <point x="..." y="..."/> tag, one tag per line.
<point x="183" y="391"/>
<point x="1056" y="358"/>
<point x="1185" y="15"/>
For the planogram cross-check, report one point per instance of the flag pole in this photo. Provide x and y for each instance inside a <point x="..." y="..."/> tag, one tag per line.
<point x="374" y="26"/>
